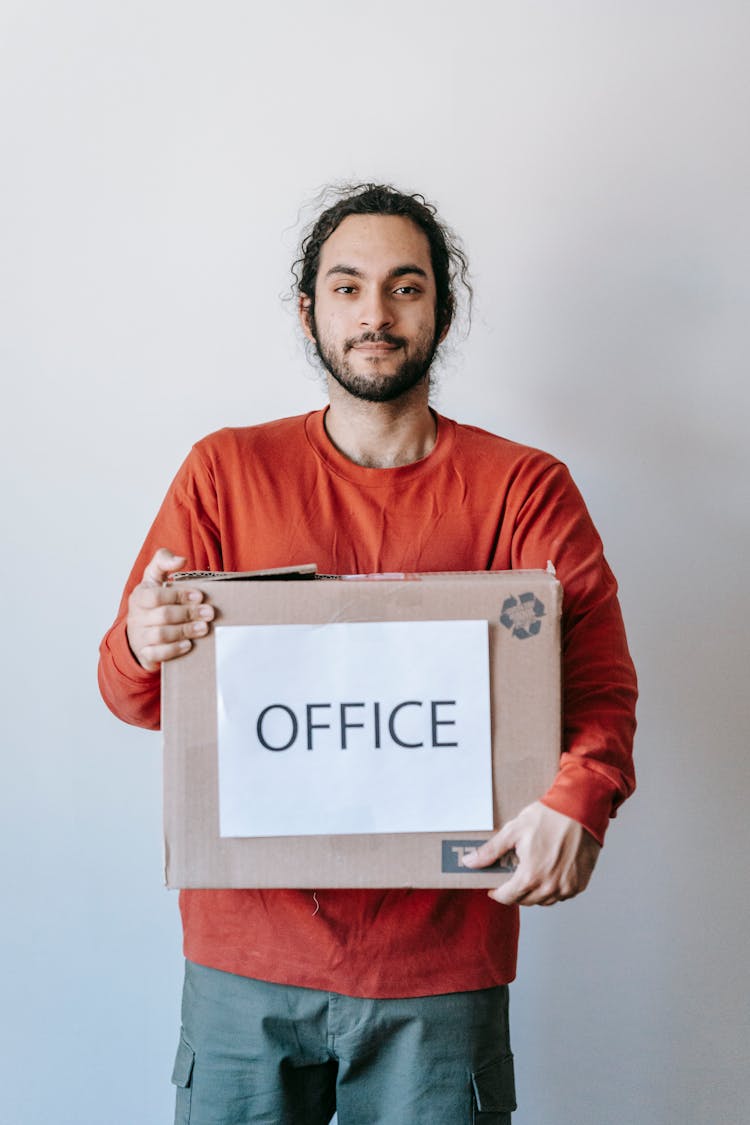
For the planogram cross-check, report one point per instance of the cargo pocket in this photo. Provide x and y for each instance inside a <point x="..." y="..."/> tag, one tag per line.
<point x="494" y="1092"/>
<point x="182" y="1078"/>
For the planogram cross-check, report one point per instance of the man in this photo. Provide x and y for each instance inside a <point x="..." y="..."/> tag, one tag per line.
<point x="390" y="1007"/>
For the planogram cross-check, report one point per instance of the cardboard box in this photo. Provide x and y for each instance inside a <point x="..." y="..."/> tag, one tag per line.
<point x="523" y="611"/>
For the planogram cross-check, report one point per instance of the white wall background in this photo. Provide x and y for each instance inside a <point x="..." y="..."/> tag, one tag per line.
<point x="595" y="157"/>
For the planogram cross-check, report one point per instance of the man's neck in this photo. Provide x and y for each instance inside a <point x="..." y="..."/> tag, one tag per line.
<point x="381" y="435"/>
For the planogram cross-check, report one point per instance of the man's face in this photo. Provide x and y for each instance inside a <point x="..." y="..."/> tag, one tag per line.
<point x="374" y="321"/>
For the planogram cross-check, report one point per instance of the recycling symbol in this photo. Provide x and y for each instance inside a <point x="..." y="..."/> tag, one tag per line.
<point x="522" y="615"/>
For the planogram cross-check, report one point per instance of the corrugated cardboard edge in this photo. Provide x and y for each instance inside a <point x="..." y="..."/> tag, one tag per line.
<point x="304" y="570"/>
<point x="526" y="736"/>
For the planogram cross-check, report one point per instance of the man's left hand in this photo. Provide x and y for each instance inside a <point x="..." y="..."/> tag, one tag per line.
<point x="556" y="856"/>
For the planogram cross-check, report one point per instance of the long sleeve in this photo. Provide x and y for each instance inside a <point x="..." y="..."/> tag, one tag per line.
<point x="599" y="682"/>
<point x="280" y="493"/>
<point x="187" y="523"/>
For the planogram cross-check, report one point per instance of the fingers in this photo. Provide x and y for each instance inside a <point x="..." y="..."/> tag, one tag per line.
<point x="162" y="564"/>
<point x="533" y="893"/>
<point x="543" y="880"/>
<point x="153" y="642"/>
<point x="164" y="620"/>
<point x="165" y="605"/>
<point x="555" y="857"/>
<point x="521" y="890"/>
<point x="151" y="657"/>
<point x="150" y="606"/>
<point x="164" y="632"/>
<point x="172" y="634"/>
<point x="499" y="845"/>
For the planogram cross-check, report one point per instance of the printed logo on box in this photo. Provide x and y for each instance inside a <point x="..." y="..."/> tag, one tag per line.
<point x="453" y="855"/>
<point x="522" y="615"/>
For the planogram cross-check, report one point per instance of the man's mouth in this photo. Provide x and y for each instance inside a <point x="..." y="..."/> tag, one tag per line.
<point x="375" y="346"/>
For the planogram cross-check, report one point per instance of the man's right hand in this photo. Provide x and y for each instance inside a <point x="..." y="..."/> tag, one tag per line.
<point x="164" y="620"/>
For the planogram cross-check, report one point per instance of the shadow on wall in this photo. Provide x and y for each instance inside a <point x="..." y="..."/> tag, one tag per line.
<point x="640" y="370"/>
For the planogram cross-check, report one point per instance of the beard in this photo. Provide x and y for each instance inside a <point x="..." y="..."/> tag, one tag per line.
<point x="373" y="386"/>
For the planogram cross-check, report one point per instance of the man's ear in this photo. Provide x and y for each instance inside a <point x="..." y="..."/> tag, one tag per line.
<point x="447" y="320"/>
<point x="304" y="309"/>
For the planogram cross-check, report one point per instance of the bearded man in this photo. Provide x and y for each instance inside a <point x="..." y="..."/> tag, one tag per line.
<point x="389" y="1007"/>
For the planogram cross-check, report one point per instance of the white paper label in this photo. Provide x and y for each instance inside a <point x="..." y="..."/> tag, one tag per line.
<point x="356" y="727"/>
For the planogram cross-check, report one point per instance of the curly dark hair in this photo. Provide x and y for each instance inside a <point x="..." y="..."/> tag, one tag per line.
<point x="449" y="262"/>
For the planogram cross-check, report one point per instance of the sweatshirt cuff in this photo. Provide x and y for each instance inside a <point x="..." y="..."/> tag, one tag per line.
<point x="584" y="795"/>
<point x="123" y="661"/>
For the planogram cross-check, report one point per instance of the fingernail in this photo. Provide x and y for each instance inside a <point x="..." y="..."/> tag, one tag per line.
<point x="468" y="859"/>
<point x="194" y="596"/>
<point x="206" y="612"/>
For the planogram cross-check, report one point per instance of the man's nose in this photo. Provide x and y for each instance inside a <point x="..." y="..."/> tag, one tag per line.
<point x="376" y="313"/>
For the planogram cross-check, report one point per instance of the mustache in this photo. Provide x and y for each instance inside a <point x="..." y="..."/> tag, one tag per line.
<point x="374" y="338"/>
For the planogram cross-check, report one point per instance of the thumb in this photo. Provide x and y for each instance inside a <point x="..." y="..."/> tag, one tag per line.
<point x="162" y="564"/>
<point x="491" y="850"/>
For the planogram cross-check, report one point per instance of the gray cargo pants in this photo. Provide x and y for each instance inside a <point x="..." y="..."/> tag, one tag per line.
<point x="271" y="1054"/>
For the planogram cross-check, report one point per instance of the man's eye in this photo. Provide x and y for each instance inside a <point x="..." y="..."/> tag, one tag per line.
<point x="346" y="289"/>
<point x="407" y="289"/>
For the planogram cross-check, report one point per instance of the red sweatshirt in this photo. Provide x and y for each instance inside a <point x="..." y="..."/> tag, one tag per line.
<point x="281" y="494"/>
